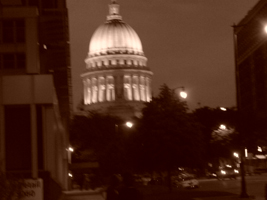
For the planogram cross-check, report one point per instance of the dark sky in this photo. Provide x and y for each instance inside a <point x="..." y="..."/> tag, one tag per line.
<point x="187" y="42"/>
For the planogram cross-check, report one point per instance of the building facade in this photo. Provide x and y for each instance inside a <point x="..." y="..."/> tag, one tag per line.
<point x="35" y="91"/>
<point x="116" y="80"/>
<point x="251" y="69"/>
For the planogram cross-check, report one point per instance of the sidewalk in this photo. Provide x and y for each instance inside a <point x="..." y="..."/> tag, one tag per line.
<point x="234" y="197"/>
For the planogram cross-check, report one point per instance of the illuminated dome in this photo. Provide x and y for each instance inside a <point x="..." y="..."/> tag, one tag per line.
<point x="115" y="36"/>
<point x="117" y="79"/>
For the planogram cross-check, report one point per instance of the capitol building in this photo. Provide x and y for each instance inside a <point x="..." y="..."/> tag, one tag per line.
<point x="116" y="80"/>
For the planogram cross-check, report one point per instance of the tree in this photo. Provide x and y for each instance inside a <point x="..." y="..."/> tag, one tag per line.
<point x="169" y="136"/>
<point x="96" y="138"/>
<point x="219" y="142"/>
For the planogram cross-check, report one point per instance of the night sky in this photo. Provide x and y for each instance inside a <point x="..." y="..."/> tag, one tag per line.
<point x="187" y="42"/>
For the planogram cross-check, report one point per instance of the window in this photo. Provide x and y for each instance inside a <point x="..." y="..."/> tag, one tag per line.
<point x="12" y="61"/>
<point x="94" y="90"/>
<point x="148" y="90"/>
<point x="110" y="89"/>
<point x="9" y="61"/>
<point x="127" y="88"/>
<point x="87" y="91"/>
<point x="142" y="88"/>
<point x="136" y="88"/>
<point x="20" y="61"/>
<point x="13" y="31"/>
<point x="101" y="88"/>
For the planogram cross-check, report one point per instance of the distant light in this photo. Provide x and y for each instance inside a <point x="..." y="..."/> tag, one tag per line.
<point x="183" y="94"/>
<point x="71" y="149"/>
<point x="259" y="149"/>
<point x="222" y="126"/>
<point x="223" y="172"/>
<point x="70" y="175"/>
<point x="246" y="153"/>
<point x="235" y="154"/>
<point x="265" y="28"/>
<point x="223" y="108"/>
<point x="129" y="124"/>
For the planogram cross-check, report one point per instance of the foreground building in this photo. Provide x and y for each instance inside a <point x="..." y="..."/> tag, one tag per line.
<point x="250" y="39"/>
<point x="35" y="91"/>
<point x="116" y="80"/>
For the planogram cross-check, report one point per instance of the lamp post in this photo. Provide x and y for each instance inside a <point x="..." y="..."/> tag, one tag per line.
<point x="182" y="93"/>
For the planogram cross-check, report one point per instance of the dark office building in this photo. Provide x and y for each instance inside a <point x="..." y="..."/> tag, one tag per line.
<point x="35" y="91"/>
<point x="251" y="68"/>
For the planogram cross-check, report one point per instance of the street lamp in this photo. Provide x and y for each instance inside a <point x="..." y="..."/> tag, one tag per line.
<point x="69" y="151"/>
<point x="223" y="127"/>
<point x="182" y="93"/>
<point x="223" y="109"/>
<point x="129" y="124"/>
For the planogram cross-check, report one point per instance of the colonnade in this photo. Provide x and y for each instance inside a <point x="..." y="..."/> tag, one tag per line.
<point x="110" y="88"/>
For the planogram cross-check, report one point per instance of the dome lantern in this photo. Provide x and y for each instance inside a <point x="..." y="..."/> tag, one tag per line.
<point x="114" y="11"/>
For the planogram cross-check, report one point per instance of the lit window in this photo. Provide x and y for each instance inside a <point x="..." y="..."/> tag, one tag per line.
<point x="94" y="90"/>
<point x="101" y="89"/>
<point x="136" y="88"/>
<point x="110" y="89"/>
<point x="87" y="91"/>
<point x="142" y="88"/>
<point x="127" y="88"/>
<point x="148" y="89"/>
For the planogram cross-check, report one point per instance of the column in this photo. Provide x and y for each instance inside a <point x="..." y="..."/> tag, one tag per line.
<point x="2" y="129"/>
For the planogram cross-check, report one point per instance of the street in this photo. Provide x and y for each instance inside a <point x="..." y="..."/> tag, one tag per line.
<point x="255" y="185"/>
<point x="209" y="189"/>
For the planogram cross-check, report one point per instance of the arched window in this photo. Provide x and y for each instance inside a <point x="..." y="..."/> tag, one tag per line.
<point x="101" y="89"/>
<point x="148" y="89"/>
<point x="136" y="88"/>
<point x="127" y="88"/>
<point x="88" y="90"/>
<point x="85" y="92"/>
<point x="110" y="88"/>
<point x="142" y="88"/>
<point x="94" y="90"/>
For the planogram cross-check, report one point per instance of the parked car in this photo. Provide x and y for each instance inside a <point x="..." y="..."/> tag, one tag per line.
<point x="227" y="172"/>
<point x="188" y="182"/>
<point x="211" y="175"/>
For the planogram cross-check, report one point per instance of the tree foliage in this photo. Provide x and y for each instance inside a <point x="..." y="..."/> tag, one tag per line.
<point x="219" y="143"/>
<point x="96" y="138"/>
<point x="170" y="138"/>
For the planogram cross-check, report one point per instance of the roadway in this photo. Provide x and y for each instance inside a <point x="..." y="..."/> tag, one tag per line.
<point x="255" y="185"/>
